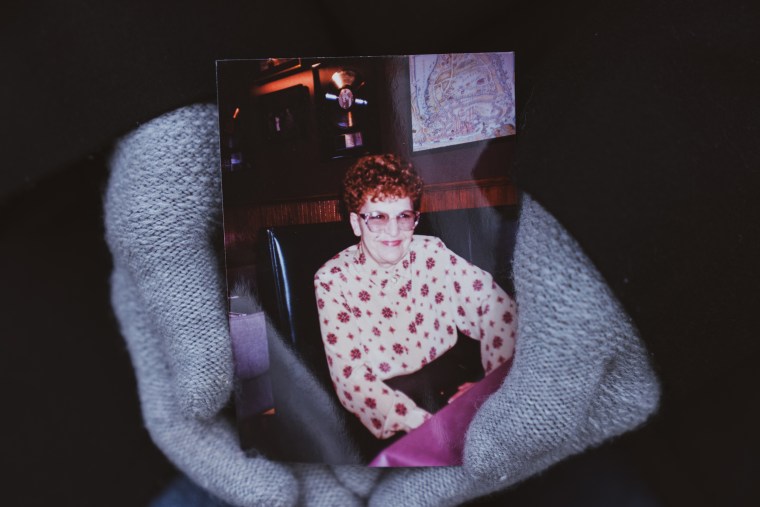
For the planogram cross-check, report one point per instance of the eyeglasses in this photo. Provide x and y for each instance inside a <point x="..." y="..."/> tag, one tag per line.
<point x="377" y="221"/>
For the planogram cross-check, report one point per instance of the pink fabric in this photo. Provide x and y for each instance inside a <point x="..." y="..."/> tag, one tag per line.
<point x="440" y="441"/>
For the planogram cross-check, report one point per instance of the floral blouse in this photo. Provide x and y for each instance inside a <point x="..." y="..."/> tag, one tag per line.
<point x="380" y="323"/>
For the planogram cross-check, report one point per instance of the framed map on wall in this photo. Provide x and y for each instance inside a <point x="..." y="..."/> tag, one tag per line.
<point x="461" y="98"/>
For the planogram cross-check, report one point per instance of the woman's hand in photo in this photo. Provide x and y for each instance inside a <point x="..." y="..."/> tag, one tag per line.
<point x="461" y="390"/>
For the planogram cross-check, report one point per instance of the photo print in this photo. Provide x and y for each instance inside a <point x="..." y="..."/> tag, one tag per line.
<point x="369" y="221"/>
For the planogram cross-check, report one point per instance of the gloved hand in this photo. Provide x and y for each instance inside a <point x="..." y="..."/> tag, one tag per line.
<point x="579" y="376"/>
<point x="162" y="210"/>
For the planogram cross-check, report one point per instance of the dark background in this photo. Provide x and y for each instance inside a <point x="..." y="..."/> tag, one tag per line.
<point x="302" y="166"/>
<point x="78" y="74"/>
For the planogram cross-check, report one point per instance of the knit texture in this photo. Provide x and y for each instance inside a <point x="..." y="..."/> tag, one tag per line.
<point x="162" y="209"/>
<point x="580" y="373"/>
<point x="580" y="376"/>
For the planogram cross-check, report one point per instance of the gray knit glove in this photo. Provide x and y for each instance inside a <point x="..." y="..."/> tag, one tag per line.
<point x="163" y="206"/>
<point x="580" y="374"/>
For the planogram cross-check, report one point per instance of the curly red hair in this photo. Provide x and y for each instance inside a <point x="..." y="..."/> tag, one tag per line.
<point x="377" y="177"/>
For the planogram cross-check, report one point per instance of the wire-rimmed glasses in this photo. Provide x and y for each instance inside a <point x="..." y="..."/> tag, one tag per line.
<point x="377" y="221"/>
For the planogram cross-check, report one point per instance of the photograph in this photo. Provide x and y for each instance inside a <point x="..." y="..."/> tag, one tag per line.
<point x="371" y="301"/>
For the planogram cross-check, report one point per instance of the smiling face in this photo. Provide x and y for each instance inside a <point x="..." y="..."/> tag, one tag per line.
<point x="388" y="246"/>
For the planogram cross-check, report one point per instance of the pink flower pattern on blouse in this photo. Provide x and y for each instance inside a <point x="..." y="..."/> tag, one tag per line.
<point x="401" y="318"/>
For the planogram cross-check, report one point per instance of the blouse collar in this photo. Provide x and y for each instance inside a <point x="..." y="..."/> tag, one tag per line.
<point x="401" y="270"/>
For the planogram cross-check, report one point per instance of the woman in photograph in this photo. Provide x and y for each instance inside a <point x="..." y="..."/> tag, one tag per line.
<point x="393" y="302"/>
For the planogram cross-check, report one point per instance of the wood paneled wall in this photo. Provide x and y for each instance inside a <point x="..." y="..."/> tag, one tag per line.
<point x="242" y="224"/>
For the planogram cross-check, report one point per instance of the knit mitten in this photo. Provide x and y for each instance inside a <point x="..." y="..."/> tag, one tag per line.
<point x="162" y="210"/>
<point x="580" y="376"/>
